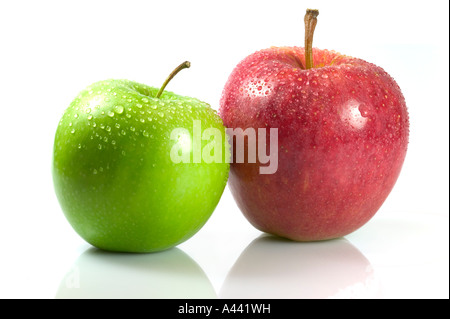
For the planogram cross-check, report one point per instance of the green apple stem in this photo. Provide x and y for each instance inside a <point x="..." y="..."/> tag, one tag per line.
<point x="310" y="26"/>
<point x="184" y="65"/>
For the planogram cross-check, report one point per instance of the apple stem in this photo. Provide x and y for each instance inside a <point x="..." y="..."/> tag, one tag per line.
<point x="310" y="26"/>
<point x="184" y="65"/>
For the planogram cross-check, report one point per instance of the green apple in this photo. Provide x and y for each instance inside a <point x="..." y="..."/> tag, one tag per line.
<point x="126" y="167"/>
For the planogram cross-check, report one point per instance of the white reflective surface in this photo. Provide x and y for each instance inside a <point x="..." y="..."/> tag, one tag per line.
<point x="393" y="256"/>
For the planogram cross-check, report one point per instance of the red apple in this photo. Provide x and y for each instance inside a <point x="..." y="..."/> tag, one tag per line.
<point x="343" y="133"/>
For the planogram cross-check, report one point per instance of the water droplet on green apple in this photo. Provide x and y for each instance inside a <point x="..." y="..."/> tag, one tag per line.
<point x="117" y="125"/>
<point x="144" y="100"/>
<point x="99" y="146"/>
<point x="154" y="106"/>
<point x="95" y="171"/>
<point x="90" y="117"/>
<point x="88" y="110"/>
<point x="72" y="131"/>
<point x="132" y="128"/>
<point x="111" y="114"/>
<point x="161" y="114"/>
<point x="118" y="109"/>
<point x="145" y="133"/>
<point x="139" y="105"/>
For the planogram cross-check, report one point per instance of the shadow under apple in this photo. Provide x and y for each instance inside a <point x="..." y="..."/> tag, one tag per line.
<point x="272" y="267"/>
<point x="99" y="274"/>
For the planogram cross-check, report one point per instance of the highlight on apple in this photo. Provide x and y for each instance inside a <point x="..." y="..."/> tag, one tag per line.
<point x="250" y="144"/>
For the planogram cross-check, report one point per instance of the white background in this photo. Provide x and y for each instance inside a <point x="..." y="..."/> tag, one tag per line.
<point x="50" y="50"/>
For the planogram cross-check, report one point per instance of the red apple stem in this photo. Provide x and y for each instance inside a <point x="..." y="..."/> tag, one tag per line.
<point x="310" y="26"/>
<point x="184" y="65"/>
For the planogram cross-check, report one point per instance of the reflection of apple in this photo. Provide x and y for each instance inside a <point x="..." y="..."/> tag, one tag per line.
<point x="99" y="274"/>
<point x="272" y="267"/>
<point x="342" y="138"/>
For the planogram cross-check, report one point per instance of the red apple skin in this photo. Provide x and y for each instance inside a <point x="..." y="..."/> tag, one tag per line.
<point x="343" y="131"/>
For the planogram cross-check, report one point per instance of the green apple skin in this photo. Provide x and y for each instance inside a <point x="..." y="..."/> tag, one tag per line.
<point x="113" y="174"/>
